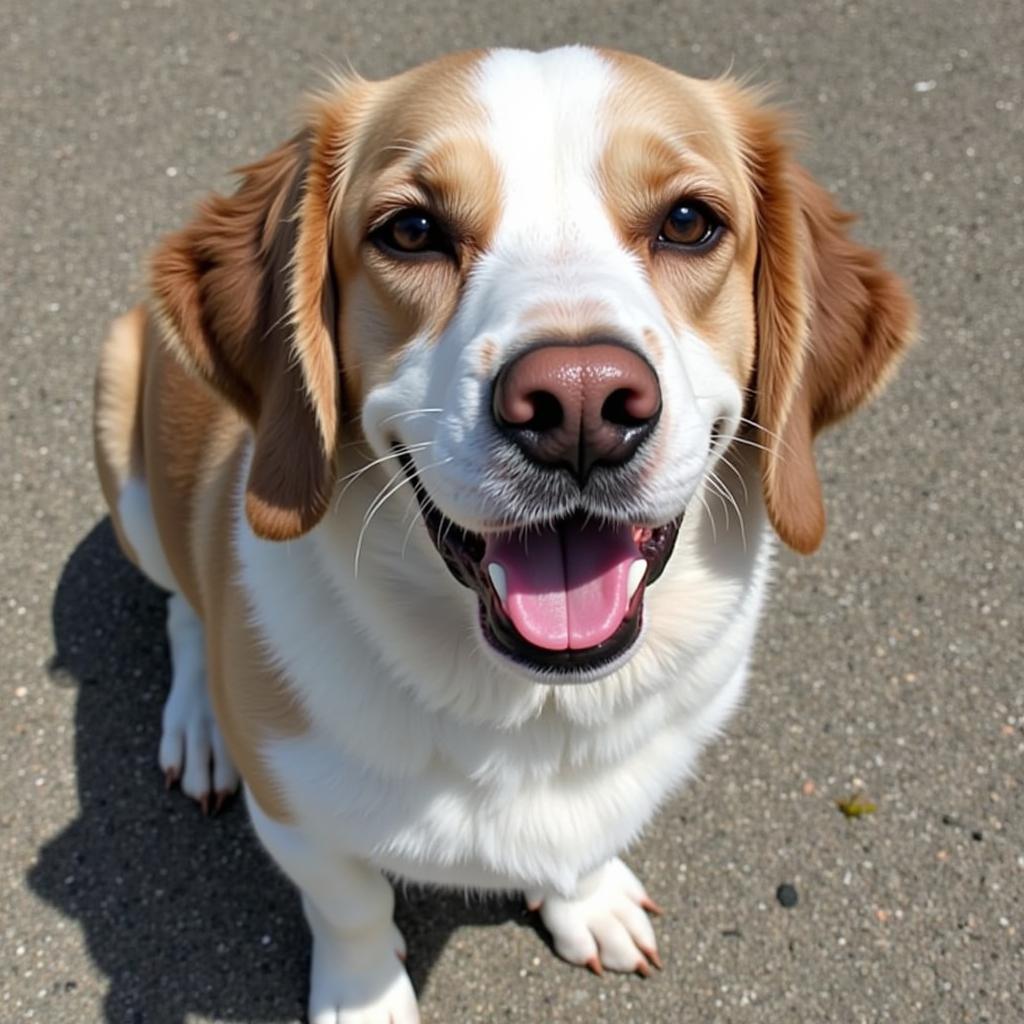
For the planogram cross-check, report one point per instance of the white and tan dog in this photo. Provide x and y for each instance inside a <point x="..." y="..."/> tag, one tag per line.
<point x="458" y="434"/>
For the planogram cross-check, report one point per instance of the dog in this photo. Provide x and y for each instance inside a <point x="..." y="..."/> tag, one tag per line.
<point x="460" y="435"/>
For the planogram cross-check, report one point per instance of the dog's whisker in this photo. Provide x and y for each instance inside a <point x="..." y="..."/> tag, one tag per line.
<point x="732" y="500"/>
<point x="394" y="453"/>
<point x="767" y="432"/>
<point x="349" y="479"/>
<point x="739" y="476"/>
<point x="375" y="506"/>
<point x="361" y="443"/>
<point x="716" y="489"/>
<point x="724" y="489"/>
<point x="383" y="494"/>
<point x="446" y="527"/>
<point x="754" y="444"/>
<point x="710" y="516"/>
<point x="391" y="488"/>
<point x="408" y="413"/>
<point x="412" y="514"/>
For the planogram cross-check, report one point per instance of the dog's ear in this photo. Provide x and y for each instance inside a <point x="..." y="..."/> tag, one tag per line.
<point x="246" y="297"/>
<point x="831" y="324"/>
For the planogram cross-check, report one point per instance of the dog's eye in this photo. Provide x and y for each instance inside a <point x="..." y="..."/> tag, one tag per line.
<point x="690" y="224"/>
<point x="413" y="231"/>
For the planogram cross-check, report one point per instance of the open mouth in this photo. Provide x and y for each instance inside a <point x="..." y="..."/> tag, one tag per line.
<point x="567" y="597"/>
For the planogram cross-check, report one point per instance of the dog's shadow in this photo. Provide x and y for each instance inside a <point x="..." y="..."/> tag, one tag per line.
<point x="183" y="914"/>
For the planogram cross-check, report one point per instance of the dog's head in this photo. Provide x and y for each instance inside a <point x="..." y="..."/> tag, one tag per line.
<point x="554" y="289"/>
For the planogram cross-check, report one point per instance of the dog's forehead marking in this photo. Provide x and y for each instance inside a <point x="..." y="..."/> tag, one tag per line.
<point x="546" y="128"/>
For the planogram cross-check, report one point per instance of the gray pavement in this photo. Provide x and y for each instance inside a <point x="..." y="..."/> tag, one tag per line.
<point x="889" y="663"/>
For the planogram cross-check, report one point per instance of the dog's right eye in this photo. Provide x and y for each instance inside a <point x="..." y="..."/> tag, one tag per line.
<point x="413" y="232"/>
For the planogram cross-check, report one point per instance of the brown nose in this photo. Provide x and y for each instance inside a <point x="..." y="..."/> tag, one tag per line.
<point x="577" y="405"/>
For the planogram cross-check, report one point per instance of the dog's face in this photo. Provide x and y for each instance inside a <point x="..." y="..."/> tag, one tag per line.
<point x="554" y="289"/>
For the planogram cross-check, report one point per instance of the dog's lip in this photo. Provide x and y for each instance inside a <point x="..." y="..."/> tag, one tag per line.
<point x="463" y="552"/>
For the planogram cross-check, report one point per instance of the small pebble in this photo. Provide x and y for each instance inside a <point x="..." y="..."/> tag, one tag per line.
<point x="786" y="895"/>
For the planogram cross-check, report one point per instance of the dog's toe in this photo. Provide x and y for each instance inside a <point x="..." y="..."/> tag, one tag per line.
<point x="340" y="995"/>
<point x="192" y="750"/>
<point x="607" y="929"/>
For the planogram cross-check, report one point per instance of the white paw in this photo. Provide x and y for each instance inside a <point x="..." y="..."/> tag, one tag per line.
<point x="361" y="984"/>
<point x="192" y="749"/>
<point x="607" y="926"/>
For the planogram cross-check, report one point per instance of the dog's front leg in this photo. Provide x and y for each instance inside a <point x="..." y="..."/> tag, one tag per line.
<point x="604" y="923"/>
<point x="357" y="975"/>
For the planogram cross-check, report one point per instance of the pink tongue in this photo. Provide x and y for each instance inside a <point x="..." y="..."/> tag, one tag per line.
<point x="567" y="586"/>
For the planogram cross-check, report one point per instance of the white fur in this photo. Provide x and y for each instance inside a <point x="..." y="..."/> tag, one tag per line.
<point x="357" y="976"/>
<point x="431" y="761"/>
<point x="605" y="923"/>
<point x="191" y="746"/>
<point x="135" y="511"/>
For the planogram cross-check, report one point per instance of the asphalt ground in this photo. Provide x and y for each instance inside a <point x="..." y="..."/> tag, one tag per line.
<point x="888" y="664"/>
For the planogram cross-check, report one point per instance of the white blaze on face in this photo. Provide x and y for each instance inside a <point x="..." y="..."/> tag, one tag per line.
<point x="544" y="112"/>
<point x="554" y="240"/>
<point x="547" y="127"/>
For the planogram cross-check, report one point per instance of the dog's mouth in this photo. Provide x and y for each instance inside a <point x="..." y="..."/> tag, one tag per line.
<point x="563" y="598"/>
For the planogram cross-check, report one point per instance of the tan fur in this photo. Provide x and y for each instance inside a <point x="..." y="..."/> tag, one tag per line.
<point x="250" y="700"/>
<point x="181" y="419"/>
<point x="187" y="445"/>
<point x="653" y="344"/>
<point x="221" y="287"/>
<point x="117" y="396"/>
<point x="669" y="138"/>
<point x="419" y="143"/>
<point x="488" y="357"/>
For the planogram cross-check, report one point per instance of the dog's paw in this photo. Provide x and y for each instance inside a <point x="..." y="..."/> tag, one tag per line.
<point x="363" y="985"/>
<point x="192" y="750"/>
<point x="607" y="926"/>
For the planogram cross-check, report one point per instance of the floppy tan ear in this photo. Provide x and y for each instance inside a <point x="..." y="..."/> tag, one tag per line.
<point x="831" y="324"/>
<point x="246" y="297"/>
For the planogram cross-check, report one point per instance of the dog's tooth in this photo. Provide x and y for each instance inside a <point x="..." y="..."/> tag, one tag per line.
<point x="499" y="579"/>
<point x="636" y="575"/>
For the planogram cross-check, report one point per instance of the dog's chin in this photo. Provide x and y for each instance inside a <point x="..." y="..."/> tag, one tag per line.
<point x="612" y="565"/>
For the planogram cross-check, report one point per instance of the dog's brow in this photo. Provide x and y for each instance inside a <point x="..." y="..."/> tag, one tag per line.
<point x="458" y="176"/>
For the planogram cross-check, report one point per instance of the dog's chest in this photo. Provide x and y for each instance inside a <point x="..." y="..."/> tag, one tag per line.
<point x="523" y="813"/>
<point x="437" y="767"/>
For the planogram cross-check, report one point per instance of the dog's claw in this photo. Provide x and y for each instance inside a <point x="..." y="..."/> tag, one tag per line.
<point x="220" y="799"/>
<point x="534" y="905"/>
<point x="652" y="955"/>
<point x="170" y="777"/>
<point x="605" y="928"/>
<point x="651" y="907"/>
<point x="204" y="804"/>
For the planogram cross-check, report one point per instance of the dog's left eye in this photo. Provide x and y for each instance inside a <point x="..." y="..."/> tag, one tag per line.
<point x="413" y="232"/>
<point x="690" y="225"/>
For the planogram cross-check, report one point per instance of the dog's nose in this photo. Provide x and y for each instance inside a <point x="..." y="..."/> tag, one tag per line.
<point x="577" y="405"/>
